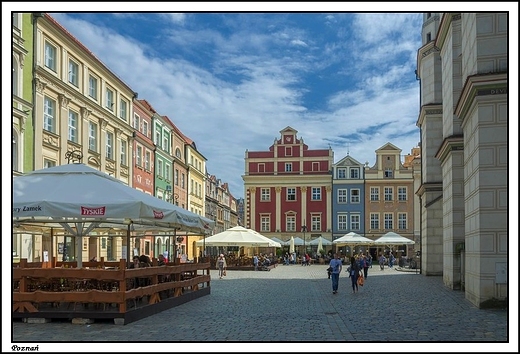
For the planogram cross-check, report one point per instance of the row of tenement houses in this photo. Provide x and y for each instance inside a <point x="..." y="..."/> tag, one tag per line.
<point x="449" y="195"/>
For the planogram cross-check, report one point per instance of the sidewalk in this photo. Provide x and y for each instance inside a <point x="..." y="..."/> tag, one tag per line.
<point x="295" y="304"/>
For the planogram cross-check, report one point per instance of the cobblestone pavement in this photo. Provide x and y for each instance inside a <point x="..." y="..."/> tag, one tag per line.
<point x="296" y="304"/>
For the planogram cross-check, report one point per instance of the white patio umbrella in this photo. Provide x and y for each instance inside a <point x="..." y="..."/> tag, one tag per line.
<point x="320" y="241"/>
<point x="352" y="239"/>
<point x="392" y="238"/>
<point x="238" y="236"/>
<point x="291" y="245"/>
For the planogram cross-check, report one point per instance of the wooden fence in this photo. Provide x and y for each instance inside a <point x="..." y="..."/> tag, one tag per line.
<point x="95" y="292"/>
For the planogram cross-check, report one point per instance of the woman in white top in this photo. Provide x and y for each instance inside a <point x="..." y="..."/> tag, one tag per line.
<point x="221" y="264"/>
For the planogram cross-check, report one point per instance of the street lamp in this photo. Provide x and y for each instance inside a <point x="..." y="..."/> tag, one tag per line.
<point x="304" y="228"/>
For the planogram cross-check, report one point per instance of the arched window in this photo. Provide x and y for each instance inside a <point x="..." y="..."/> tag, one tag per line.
<point x="15" y="151"/>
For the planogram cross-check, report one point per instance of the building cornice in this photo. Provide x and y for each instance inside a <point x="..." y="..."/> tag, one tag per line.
<point x="449" y="144"/>
<point x="444" y="26"/>
<point x="491" y="84"/>
<point x="429" y="187"/>
<point x="429" y="110"/>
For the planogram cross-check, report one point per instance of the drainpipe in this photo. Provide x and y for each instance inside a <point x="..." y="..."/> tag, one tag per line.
<point x="420" y="197"/>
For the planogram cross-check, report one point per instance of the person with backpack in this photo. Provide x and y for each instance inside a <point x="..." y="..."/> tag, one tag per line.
<point x="353" y="273"/>
<point x="365" y="265"/>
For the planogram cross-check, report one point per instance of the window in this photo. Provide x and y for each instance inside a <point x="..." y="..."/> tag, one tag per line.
<point x="354" y="195"/>
<point x="122" y="109"/>
<point x="136" y="122"/>
<point x="73" y="126"/>
<point x="109" y="99"/>
<point x="342" y="222"/>
<point x="315" y="223"/>
<point x="49" y="111"/>
<point x="290" y="223"/>
<point x="316" y="193"/>
<point x="139" y="156"/>
<point x="167" y="173"/>
<point x="288" y="167"/>
<point x="191" y="185"/>
<point x="288" y="151"/>
<point x="123" y="152"/>
<point x="145" y="128"/>
<point x="265" y="222"/>
<point x="374" y="194"/>
<point x="92" y="136"/>
<point x="48" y="163"/>
<point x="93" y="87"/>
<point x="291" y="193"/>
<point x="374" y="221"/>
<point x="160" y="171"/>
<point x="182" y="181"/>
<point x="165" y="143"/>
<point x="157" y="138"/>
<point x="342" y="195"/>
<point x="354" y="222"/>
<point x="178" y="152"/>
<point x="147" y="160"/>
<point x="342" y="173"/>
<point x="354" y="173"/>
<point x="15" y="151"/>
<point x="428" y="37"/>
<point x="73" y="72"/>
<point x="402" y="193"/>
<point x="401" y="221"/>
<point x="389" y="173"/>
<point x="50" y="56"/>
<point x="109" y="145"/>
<point x="265" y="194"/>
<point x="389" y="191"/>
<point x="176" y="176"/>
<point x="389" y="221"/>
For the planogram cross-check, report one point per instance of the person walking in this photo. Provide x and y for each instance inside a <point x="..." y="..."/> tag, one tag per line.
<point x="221" y="264"/>
<point x="354" y="271"/>
<point x="336" y="266"/>
<point x="366" y="265"/>
<point x="382" y="261"/>
<point x="255" y="261"/>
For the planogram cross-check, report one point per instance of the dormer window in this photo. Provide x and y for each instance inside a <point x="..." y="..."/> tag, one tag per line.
<point x="389" y="173"/>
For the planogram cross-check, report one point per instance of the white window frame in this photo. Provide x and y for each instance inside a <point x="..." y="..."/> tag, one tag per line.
<point x="93" y="87"/>
<point x="109" y="145"/>
<point x="265" y="194"/>
<point x="315" y="167"/>
<point x="123" y="153"/>
<point x="49" y="115"/>
<point x="167" y="174"/>
<point x="354" y="173"/>
<point x="157" y="139"/>
<point x="165" y="143"/>
<point x="288" y="151"/>
<point x="160" y="168"/>
<point x="291" y="194"/>
<point x="123" y="109"/>
<point x="355" y="196"/>
<point x="389" y="194"/>
<point x="374" y="194"/>
<point x="73" y="126"/>
<point x="92" y="136"/>
<point x="342" y="196"/>
<point x="109" y="99"/>
<point x="342" y="222"/>
<point x="389" y="221"/>
<point x="139" y="155"/>
<point x="73" y="72"/>
<point x="315" y="222"/>
<point x="290" y="223"/>
<point x="402" y="194"/>
<point x="288" y="167"/>
<point x="389" y="173"/>
<point x="147" y="157"/>
<point x="342" y="173"/>
<point x="374" y="221"/>
<point x="48" y="163"/>
<point x="137" y="122"/>
<point x="316" y="193"/>
<point x="402" y="221"/>
<point x="355" y="222"/>
<point x="50" y="56"/>
<point x="176" y="177"/>
<point x="145" y="128"/>
<point x="265" y="223"/>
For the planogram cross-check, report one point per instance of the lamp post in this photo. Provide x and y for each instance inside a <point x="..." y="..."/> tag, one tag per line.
<point x="304" y="229"/>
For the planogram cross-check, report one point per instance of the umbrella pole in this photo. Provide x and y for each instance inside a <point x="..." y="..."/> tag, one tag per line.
<point x="128" y="246"/>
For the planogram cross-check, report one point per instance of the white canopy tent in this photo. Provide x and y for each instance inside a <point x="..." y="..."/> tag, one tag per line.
<point x="352" y="239"/>
<point x="316" y="241"/>
<point x="238" y="236"/>
<point x="81" y="199"/>
<point x="391" y="238"/>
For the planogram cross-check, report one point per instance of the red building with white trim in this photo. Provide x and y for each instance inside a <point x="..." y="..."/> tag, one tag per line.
<point x="289" y="187"/>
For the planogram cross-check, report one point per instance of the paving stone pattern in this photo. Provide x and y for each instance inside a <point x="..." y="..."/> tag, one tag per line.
<point x="296" y="304"/>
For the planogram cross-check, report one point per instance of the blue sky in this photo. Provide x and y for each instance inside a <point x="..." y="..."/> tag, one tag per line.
<point x="232" y="81"/>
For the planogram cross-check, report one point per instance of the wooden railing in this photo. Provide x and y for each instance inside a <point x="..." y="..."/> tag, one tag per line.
<point x="118" y="287"/>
